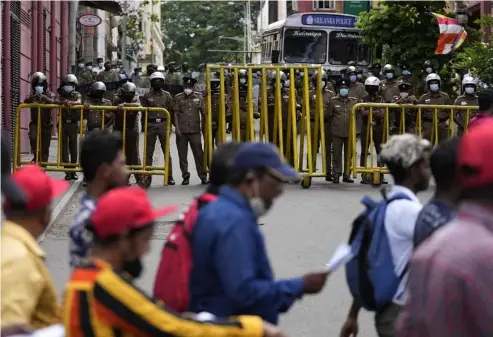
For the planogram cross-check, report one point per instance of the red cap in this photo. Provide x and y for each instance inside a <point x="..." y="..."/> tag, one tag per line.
<point x="39" y="188"/>
<point x="123" y="209"/>
<point x="476" y="155"/>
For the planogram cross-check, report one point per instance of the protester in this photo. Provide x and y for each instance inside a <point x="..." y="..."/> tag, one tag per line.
<point x="450" y="282"/>
<point x="231" y="273"/>
<point x="9" y="189"/>
<point x="441" y="209"/>
<point x="103" y="165"/>
<point x="28" y="294"/>
<point x="406" y="157"/>
<point x="485" y="101"/>
<point x="173" y="274"/>
<point x="101" y="296"/>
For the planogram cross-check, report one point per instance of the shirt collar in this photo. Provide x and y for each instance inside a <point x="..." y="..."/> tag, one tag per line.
<point x="234" y="196"/>
<point x="404" y="190"/>
<point x="20" y="234"/>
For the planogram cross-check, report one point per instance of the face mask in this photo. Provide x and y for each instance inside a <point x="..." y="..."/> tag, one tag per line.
<point x="469" y="90"/>
<point x="286" y="84"/>
<point x="434" y="87"/>
<point x="81" y="65"/>
<point x="428" y="70"/>
<point x="68" y="89"/>
<point x="344" y="92"/>
<point x="243" y="80"/>
<point x="40" y="89"/>
<point x="157" y="85"/>
<point x="406" y="73"/>
<point x="404" y="94"/>
<point x="139" y="73"/>
<point x="188" y="91"/>
<point x="101" y="65"/>
<point x="257" y="204"/>
<point x="352" y="78"/>
<point x="302" y="74"/>
<point x="389" y="75"/>
<point x="359" y="76"/>
<point x="89" y="68"/>
<point x="133" y="268"/>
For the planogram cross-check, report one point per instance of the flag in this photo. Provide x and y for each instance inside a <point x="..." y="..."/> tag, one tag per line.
<point x="452" y="34"/>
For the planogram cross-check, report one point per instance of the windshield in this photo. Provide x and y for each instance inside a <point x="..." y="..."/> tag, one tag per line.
<point x="346" y="46"/>
<point x="305" y="46"/>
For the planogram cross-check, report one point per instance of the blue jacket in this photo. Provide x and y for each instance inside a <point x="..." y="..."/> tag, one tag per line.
<point x="231" y="273"/>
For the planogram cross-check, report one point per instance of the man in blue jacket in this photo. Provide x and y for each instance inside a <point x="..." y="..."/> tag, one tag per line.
<point x="231" y="273"/>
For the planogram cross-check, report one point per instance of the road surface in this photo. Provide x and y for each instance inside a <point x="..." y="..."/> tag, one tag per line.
<point x="301" y="232"/>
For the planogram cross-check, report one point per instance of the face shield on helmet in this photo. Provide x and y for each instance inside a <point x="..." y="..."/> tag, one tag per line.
<point x="69" y="83"/>
<point x="433" y="82"/>
<point x="372" y="85"/>
<point x="39" y="82"/>
<point x="128" y="91"/>
<point x="242" y="79"/>
<point x="352" y="72"/>
<point x="388" y="71"/>
<point x="324" y="79"/>
<point x="469" y="85"/>
<point x="157" y="80"/>
<point x="282" y="78"/>
<point x="97" y="90"/>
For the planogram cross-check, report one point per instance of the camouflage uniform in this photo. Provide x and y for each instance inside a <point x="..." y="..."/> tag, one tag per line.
<point x="111" y="80"/>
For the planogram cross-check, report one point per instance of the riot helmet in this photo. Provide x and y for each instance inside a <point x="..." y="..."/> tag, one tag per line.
<point x="433" y="82"/>
<point x="127" y="91"/>
<point x="215" y="82"/>
<point x="39" y="82"/>
<point x="97" y="90"/>
<point x="242" y="79"/>
<point x="68" y="83"/>
<point x="428" y="67"/>
<point x="372" y="85"/>
<point x="315" y="79"/>
<point x="388" y="71"/>
<point x="157" y="80"/>
<point x="469" y="85"/>
<point x="273" y="77"/>
<point x="352" y="72"/>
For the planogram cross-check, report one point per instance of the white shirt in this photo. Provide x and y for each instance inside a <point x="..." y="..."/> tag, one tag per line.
<point x="400" y="220"/>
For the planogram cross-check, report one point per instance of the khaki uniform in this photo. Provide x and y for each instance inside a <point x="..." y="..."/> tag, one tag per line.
<point x="409" y="114"/>
<point x="460" y="116"/>
<point x="142" y="81"/>
<point x="339" y="114"/>
<point x="409" y="79"/>
<point x="389" y="91"/>
<point x="443" y="115"/>
<point x="216" y="108"/>
<point x="131" y="144"/>
<point x="377" y="125"/>
<point x="46" y="126"/>
<point x="70" y="120"/>
<point x="357" y="90"/>
<point x="327" y="95"/>
<point x="187" y="111"/>
<point x="156" y="124"/>
<point x="111" y="80"/>
<point x="94" y="117"/>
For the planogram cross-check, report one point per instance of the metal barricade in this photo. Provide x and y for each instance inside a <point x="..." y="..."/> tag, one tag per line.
<point x="410" y="121"/>
<point x="285" y="114"/>
<point x="59" y="165"/>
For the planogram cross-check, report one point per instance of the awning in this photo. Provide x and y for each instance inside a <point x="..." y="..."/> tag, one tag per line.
<point x="110" y="6"/>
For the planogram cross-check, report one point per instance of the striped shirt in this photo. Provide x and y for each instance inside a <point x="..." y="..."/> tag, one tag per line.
<point x="80" y="238"/>
<point x="451" y="280"/>
<point x="99" y="302"/>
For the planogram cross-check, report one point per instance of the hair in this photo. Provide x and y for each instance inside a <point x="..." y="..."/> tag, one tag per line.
<point x="111" y="240"/>
<point x="221" y="165"/>
<point x="236" y="178"/>
<point x="485" y="99"/>
<point x="19" y="211"/>
<point x="443" y="163"/>
<point x="98" y="148"/>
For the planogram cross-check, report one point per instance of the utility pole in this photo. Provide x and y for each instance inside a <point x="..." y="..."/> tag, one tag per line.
<point x="124" y="42"/>
<point x="245" y="34"/>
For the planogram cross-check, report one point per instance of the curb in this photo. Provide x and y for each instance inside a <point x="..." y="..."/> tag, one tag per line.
<point x="61" y="205"/>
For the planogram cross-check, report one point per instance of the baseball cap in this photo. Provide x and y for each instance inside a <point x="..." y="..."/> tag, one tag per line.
<point x="39" y="189"/>
<point x="476" y="155"/>
<point x="252" y="156"/>
<point x="123" y="209"/>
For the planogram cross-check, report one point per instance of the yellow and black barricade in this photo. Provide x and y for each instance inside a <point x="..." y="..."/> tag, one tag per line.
<point x="409" y="114"/>
<point x="285" y="114"/>
<point x="59" y="166"/>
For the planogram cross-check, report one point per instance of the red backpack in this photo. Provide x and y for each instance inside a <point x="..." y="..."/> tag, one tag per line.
<point x="173" y="274"/>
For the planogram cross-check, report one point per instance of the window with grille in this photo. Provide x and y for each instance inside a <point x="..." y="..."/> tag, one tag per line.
<point x="324" y="4"/>
<point x="44" y="41"/>
<point x="273" y="17"/>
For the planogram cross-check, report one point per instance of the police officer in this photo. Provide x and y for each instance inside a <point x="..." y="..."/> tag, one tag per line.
<point x="406" y="97"/>
<point x="156" y="121"/>
<point x="435" y="97"/>
<point x="339" y="114"/>
<point x="110" y="79"/>
<point x="376" y="123"/>
<point x="188" y="110"/>
<point x="100" y="64"/>
<point x="428" y="68"/>
<point x="173" y="80"/>
<point x="243" y="87"/>
<point x="68" y="96"/>
<point x="127" y="96"/>
<point x="360" y="76"/>
<point x="151" y="68"/>
<point x="140" y="80"/>
<point x="469" y="98"/>
<point x="41" y="95"/>
<point x="356" y="90"/>
<point x="85" y="78"/>
<point x="216" y="105"/>
<point x="80" y="66"/>
<point x="375" y="70"/>
<point x="406" y="75"/>
<point x="185" y="70"/>
<point x="95" y="117"/>
<point x="327" y="95"/>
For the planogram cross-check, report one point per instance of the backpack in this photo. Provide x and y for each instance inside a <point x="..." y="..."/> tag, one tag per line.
<point x="370" y="274"/>
<point x="173" y="274"/>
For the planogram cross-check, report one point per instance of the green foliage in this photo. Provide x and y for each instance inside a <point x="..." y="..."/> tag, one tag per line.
<point x="192" y="27"/>
<point x="478" y="56"/>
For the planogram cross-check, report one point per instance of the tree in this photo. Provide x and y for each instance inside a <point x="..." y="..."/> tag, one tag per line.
<point x="478" y="57"/>
<point x="191" y="28"/>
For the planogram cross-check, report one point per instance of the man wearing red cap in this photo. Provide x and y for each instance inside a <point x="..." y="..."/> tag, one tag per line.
<point x="451" y="273"/>
<point x="100" y="296"/>
<point x="28" y="294"/>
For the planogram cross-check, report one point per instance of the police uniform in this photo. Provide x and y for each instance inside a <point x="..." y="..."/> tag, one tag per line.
<point x="95" y="117"/>
<point x="339" y="114"/>
<point x="188" y="111"/>
<point x="327" y="95"/>
<point x="216" y="108"/>
<point x="443" y="115"/>
<point x="70" y="130"/>
<point x="141" y="81"/>
<point x="156" y="124"/>
<point x="460" y="116"/>
<point x="357" y="90"/>
<point x="410" y="114"/>
<point x="46" y="125"/>
<point x="111" y="79"/>
<point x="377" y="125"/>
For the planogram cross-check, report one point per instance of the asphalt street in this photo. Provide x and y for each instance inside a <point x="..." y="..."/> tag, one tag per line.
<point x="301" y="232"/>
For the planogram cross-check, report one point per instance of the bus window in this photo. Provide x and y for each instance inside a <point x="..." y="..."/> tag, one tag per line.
<point x="345" y="47"/>
<point x="305" y="46"/>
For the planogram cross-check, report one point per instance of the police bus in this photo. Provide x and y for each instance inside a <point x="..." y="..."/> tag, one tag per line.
<point x="329" y="39"/>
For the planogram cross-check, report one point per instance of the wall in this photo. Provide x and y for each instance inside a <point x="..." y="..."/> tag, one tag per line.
<point x="305" y="6"/>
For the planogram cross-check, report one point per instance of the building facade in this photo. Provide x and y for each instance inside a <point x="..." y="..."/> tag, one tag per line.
<point x="153" y="45"/>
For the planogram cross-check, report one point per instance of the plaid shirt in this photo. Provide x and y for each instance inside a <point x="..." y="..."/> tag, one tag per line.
<point x="451" y="280"/>
<point x="80" y="238"/>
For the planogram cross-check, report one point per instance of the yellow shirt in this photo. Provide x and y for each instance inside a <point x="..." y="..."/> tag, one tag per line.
<point x="28" y="295"/>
